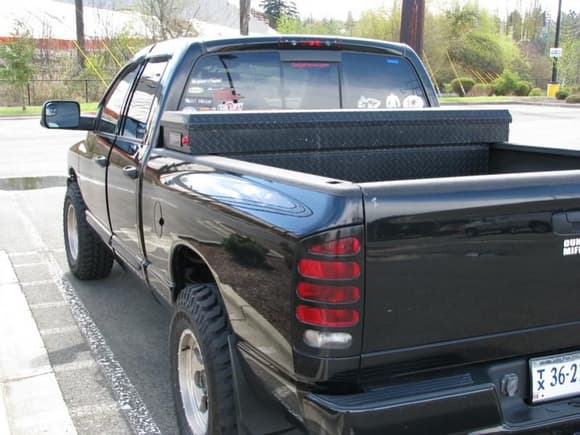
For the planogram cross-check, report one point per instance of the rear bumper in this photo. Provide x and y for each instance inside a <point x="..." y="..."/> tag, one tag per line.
<point x="454" y="411"/>
<point x="474" y="409"/>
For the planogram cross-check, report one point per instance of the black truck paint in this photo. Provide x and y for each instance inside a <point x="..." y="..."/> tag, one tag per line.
<point x="462" y="273"/>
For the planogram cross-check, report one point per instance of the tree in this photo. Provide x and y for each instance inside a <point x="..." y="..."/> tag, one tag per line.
<point x="16" y="59"/>
<point x="275" y="9"/>
<point x="380" y="23"/>
<point x="167" y="19"/>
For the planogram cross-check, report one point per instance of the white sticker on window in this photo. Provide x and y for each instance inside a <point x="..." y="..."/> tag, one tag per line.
<point x="368" y="103"/>
<point x="413" y="102"/>
<point x="393" y="102"/>
<point x="230" y="106"/>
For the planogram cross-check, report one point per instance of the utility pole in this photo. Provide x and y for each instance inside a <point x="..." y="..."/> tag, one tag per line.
<point x="244" y="17"/>
<point x="80" y="32"/>
<point x="412" y="24"/>
<point x="557" y="43"/>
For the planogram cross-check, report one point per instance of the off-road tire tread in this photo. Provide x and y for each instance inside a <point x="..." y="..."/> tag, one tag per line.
<point x="201" y="304"/>
<point x="94" y="259"/>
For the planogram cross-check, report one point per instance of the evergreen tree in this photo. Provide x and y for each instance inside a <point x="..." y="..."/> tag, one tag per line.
<point x="276" y="9"/>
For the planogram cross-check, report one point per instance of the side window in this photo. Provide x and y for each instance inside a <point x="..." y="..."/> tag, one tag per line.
<point x="142" y="100"/>
<point x="111" y="114"/>
<point x="372" y="81"/>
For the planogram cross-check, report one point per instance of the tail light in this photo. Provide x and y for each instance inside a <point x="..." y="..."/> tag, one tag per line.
<point x="346" y="246"/>
<point x="332" y="294"/>
<point x="327" y="317"/>
<point x="329" y="289"/>
<point x="328" y="270"/>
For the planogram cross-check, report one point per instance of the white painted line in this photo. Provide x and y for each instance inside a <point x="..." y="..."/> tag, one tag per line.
<point x="77" y="365"/>
<point x="22" y="253"/>
<point x="57" y="331"/>
<point x="93" y="410"/>
<point x="127" y="397"/>
<point x="16" y="266"/>
<point x="33" y="283"/>
<point x="47" y="305"/>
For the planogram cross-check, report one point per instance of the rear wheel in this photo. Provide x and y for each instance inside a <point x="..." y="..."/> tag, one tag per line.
<point x="87" y="255"/>
<point x="201" y="370"/>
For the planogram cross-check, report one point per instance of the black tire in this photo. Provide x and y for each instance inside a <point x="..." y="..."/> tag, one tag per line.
<point x="199" y="310"/>
<point x="93" y="259"/>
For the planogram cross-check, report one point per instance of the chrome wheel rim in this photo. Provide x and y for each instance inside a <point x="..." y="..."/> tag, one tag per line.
<point x="193" y="383"/>
<point x="72" y="233"/>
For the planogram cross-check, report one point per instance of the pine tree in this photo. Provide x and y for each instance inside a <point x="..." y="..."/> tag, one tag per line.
<point x="275" y="9"/>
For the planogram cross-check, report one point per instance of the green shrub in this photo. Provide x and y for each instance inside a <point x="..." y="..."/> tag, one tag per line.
<point x="507" y="83"/>
<point x="481" y="90"/>
<point x="467" y="84"/>
<point x="562" y="94"/>
<point x="447" y="88"/>
<point x="573" y="99"/>
<point x="523" y="89"/>
<point x="536" y="92"/>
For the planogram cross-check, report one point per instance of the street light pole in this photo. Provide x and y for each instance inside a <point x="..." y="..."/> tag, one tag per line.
<point x="556" y="43"/>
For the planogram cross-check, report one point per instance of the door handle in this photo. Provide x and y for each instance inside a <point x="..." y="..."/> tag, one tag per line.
<point x="101" y="161"/>
<point x="131" y="172"/>
<point x="566" y="223"/>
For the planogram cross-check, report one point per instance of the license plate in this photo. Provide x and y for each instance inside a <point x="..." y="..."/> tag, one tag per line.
<point x="555" y="377"/>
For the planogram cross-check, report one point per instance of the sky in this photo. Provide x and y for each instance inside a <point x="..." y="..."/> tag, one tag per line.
<point x="338" y="9"/>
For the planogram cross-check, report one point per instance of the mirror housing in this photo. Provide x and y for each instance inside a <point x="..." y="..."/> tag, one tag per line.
<point x="65" y="115"/>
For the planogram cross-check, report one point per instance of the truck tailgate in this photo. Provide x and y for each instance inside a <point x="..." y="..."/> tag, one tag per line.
<point x="468" y="269"/>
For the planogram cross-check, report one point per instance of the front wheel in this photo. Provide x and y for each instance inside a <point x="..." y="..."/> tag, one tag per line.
<point x="87" y="255"/>
<point x="201" y="370"/>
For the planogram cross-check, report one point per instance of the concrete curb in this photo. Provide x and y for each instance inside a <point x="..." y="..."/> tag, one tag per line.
<point x="513" y="103"/>
<point x="4" y="427"/>
<point x="31" y="400"/>
<point x="17" y="117"/>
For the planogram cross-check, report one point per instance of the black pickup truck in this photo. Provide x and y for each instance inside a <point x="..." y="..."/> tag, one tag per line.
<point x="341" y="255"/>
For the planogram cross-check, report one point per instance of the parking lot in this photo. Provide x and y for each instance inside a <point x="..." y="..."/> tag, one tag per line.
<point x="107" y="340"/>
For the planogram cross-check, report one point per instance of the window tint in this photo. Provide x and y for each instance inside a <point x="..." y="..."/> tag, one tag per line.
<point x="111" y="113"/>
<point x="261" y="81"/>
<point x="142" y="100"/>
<point x="311" y="85"/>
<point x="378" y="82"/>
<point x="234" y="82"/>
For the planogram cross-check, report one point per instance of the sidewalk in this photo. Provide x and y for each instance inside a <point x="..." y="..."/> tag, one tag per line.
<point x="30" y="398"/>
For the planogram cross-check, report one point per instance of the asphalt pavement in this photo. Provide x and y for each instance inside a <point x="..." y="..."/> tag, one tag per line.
<point x="98" y="350"/>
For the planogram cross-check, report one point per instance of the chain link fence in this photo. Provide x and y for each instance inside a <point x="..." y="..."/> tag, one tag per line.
<point x="38" y="91"/>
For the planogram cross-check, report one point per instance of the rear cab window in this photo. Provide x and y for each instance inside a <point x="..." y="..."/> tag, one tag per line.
<point x="262" y="80"/>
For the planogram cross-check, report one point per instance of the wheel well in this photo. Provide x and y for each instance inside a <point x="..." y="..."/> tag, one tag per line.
<point x="72" y="176"/>
<point x="188" y="268"/>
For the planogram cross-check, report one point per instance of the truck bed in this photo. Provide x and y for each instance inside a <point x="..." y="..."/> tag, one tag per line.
<point x="364" y="146"/>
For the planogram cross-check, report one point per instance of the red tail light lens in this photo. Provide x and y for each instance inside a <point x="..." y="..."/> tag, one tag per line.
<point x="329" y="269"/>
<point x="327" y="317"/>
<point x="328" y="293"/>
<point x="347" y="246"/>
